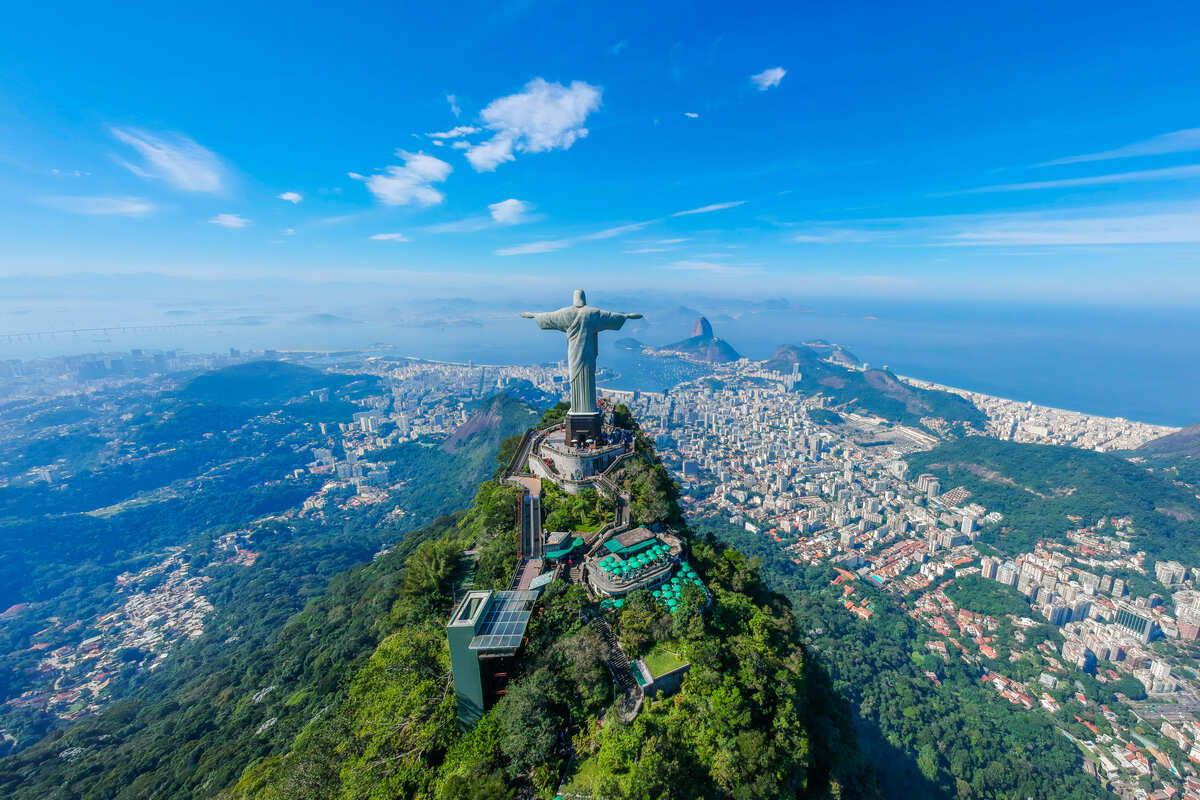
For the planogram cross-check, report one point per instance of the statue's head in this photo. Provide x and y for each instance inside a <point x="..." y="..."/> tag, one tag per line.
<point x="580" y="298"/>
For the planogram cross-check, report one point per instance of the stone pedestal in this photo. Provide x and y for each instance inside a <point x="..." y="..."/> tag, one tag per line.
<point x="581" y="427"/>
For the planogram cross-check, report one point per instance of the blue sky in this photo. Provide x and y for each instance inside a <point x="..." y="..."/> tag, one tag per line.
<point x="1036" y="151"/>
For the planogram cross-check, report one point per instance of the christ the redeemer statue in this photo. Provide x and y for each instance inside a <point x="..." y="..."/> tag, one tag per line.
<point x="581" y="323"/>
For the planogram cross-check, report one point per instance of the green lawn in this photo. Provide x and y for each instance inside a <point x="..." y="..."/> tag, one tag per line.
<point x="584" y="775"/>
<point x="660" y="661"/>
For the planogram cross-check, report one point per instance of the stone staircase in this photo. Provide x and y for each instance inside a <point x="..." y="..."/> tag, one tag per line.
<point x="622" y="672"/>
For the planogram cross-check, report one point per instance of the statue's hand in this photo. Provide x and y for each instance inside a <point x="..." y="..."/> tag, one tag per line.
<point x="527" y="314"/>
<point x="633" y="316"/>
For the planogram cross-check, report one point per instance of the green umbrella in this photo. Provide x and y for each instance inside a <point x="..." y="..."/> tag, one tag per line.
<point x="656" y="593"/>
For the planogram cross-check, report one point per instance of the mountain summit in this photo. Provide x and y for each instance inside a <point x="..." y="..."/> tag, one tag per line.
<point x="703" y="345"/>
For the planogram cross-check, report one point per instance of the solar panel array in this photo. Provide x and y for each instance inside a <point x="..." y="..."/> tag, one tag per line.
<point x="504" y="622"/>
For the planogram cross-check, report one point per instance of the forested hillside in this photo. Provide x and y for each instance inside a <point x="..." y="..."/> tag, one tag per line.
<point x="352" y="698"/>
<point x="874" y="391"/>
<point x="944" y="742"/>
<point x="755" y="718"/>
<point x="1039" y="488"/>
<point x="66" y="562"/>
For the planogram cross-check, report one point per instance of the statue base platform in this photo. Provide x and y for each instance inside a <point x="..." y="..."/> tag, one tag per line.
<point x="581" y="427"/>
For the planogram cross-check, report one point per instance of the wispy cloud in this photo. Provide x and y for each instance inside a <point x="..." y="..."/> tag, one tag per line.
<point x="291" y="197"/>
<point x="836" y="235"/>
<point x="101" y="206"/>
<point x="559" y="244"/>
<point x="709" y="208"/>
<point x="410" y="184"/>
<point x="453" y="101"/>
<point x="230" y="221"/>
<point x="533" y="248"/>
<point x="619" y="230"/>
<point x="1183" y="141"/>
<point x="641" y="250"/>
<point x="455" y="132"/>
<point x="1138" y="176"/>
<point x="618" y="47"/>
<point x="174" y="158"/>
<point x="543" y="116"/>
<point x="711" y="267"/>
<point x="468" y="225"/>
<point x="389" y="237"/>
<point x="673" y="241"/>
<point x="511" y="211"/>
<point x="1179" y="227"/>
<point x="691" y="115"/>
<point x="768" y="78"/>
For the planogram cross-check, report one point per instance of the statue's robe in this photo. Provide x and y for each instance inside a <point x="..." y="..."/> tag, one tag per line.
<point x="581" y="324"/>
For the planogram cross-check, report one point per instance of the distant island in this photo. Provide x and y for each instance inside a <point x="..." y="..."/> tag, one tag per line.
<point x="628" y="343"/>
<point x="702" y="345"/>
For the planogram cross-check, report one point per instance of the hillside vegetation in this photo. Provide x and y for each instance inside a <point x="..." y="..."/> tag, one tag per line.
<point x="874" y="391"/>
<point x="1039" y="487"/>
<point x="353" y="698"/>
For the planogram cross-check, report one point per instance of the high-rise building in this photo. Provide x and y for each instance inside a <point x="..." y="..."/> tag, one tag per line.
<point x="1170" y="573"/>
<point x="1137" y="620"/>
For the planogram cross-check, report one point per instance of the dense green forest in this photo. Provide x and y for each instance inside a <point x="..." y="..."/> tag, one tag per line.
<point x="1038" y="487"/>
<point x="927" y="741"/>
<point x="755" y="718"/>
<point x="61" y="549"/>
<point x="351" y="697"/>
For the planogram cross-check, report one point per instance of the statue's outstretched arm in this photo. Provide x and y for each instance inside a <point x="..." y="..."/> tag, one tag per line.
<point x="551" y="320"/>
<point x="633" y="316"/>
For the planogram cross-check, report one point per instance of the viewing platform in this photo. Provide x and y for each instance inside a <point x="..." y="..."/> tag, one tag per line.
<point x="635" y="559"/>
<point x="551" y="456"/>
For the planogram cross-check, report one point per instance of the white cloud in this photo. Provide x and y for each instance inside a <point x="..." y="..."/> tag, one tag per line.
<point x="101" y="206"/>
<point x="543" y="116"/>
<point x="619" y="230"/>
<point x="672" y="241"/>
<point x="618" y="47"/>
<point x="1166" y="174"/>
<point x="455" y="132"/>
<point x="289" y="231"/>
<point x="173" y="158"/>
<point x="1180" y="227"/>
<point x="641" y="250"/>
<point x="291" y="197"/>
<point x="836" y="236"/>
<point x="1175" y="142"/>
<point x="230" y="221"/>
<point x="768" y="78"/>
<point x="511" y="211"/>
<point x="487" y="156"/>
<point x="691" y="115"/>
<point x="711" y="268"/>
<point x="390" y="237"/>
<point x="461" y="145"/>
<point x="409" y="184"/>
<point x="468" y="225"/>
<point x="453" y="101"/>
<point x="709" y="208"/>
<point x="532" y="248"/>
